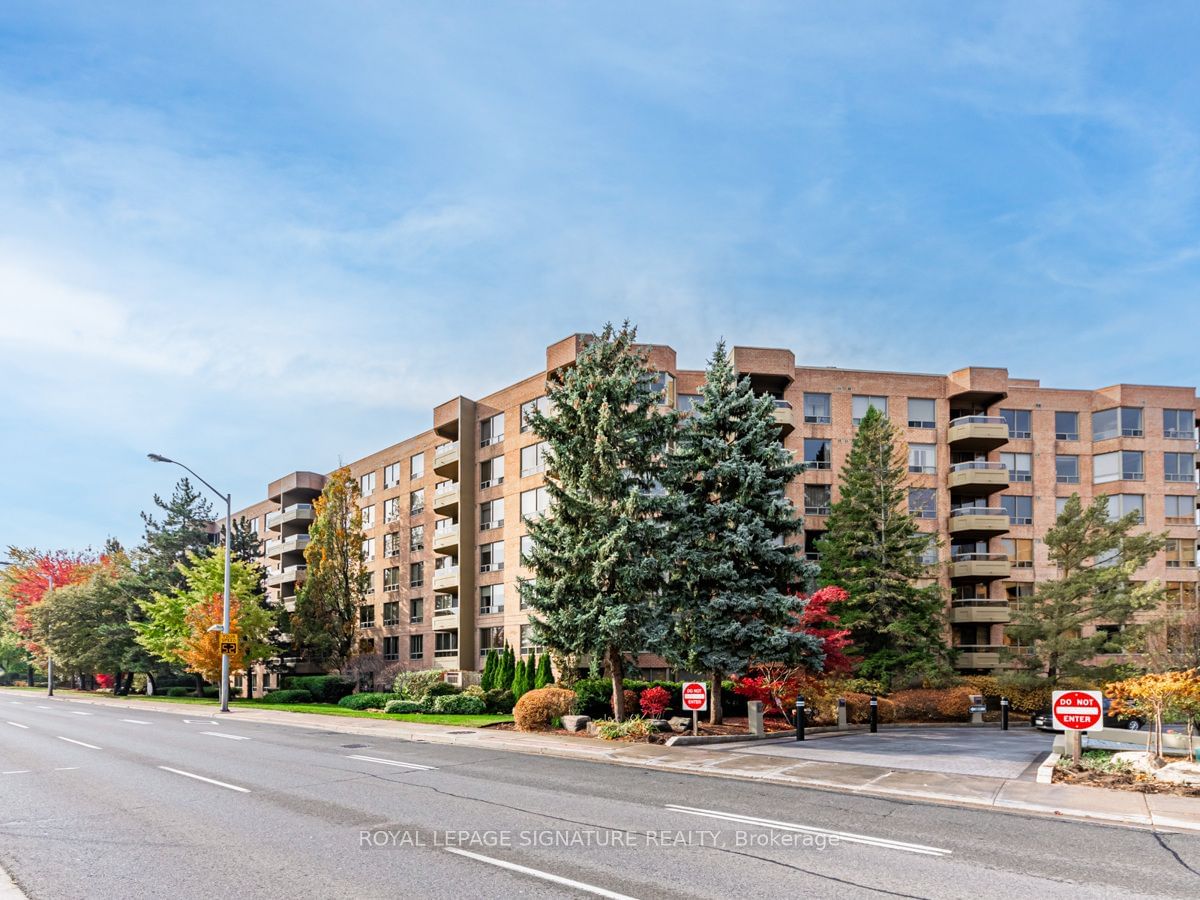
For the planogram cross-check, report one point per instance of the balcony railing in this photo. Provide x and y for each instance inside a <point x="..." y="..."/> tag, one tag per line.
<point x="978" y="466"/>
<point x="978" y="420"/>
<point x="978" y="557"/>
<point x="978" y="511"/>
<point x="445" y="449"/>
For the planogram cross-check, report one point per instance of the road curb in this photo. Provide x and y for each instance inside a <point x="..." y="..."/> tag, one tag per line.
<point x="1045" y="772"/>
<point x="8" y="888"/>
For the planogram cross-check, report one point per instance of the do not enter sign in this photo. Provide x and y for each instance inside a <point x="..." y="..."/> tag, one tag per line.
<point x="1078" y="710"/>
<point x="695" y="696"/>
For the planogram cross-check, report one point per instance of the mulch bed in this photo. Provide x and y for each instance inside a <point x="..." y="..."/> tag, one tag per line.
<point x="1115" y="781"/>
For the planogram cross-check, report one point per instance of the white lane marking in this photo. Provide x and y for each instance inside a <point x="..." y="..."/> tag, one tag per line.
<point x="17" y="725"/>
<point x="66" y="768"/>
<point x="17" y="702"/>
<point x="76" y="712"/>
<point x="232" y="787"/>
<point x="201" y="722"/>
<point x="848" y="837"/>
<point x="15" y="772"/>
<point x="537" y="873"/>
<point x="232" y="737"/>
<point x="392" y="762"/>
<point x="80" y="743"/>
<point x="45" y="707"/>
<point x="135" y="721"/>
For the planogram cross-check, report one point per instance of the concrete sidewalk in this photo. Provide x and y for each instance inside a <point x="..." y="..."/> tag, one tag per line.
<point x="1160" y="812"/>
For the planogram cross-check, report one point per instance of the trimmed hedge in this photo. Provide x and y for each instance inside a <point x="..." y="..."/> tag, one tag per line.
<point x="324" y="688"/>
<point x="459" y="705"/>
<point x="177" y="692"/>
<point x="537" y="709"/>
<point x="367" y="700"/>
<point x="499" y="701"/>
<point x="288" y="696"/>
<point x="403" y="706"/>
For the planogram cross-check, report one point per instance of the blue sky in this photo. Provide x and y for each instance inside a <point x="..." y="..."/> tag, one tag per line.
<point x="262" y="237"/>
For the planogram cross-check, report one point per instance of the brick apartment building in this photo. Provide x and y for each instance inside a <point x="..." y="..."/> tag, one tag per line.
<point x="992" y="459"/>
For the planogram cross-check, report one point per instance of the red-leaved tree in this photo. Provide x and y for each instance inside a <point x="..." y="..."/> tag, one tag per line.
<point x="27" y="580"/>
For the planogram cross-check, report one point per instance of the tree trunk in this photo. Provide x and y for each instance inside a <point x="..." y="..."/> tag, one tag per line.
<point x="151" y="684"/>
<point x="128" y="684"/>
<point x="716" y="711"/>
<point x="199" y="686"/>
<point x="118" y="677"/>
<point x="249" y="692"/>
<point x="616" y="668"/>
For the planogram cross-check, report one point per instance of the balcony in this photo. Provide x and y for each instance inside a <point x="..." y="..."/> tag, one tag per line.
<point x="977" y="479"/>
<point x="445" y="498"/>
<point x="977" y="434"/>
<point x="445" y="619"/>
<point x="294" y="544"/>
<point x="445" y="580"/>
<point x="784" y="417"/>
<point x="286" y="575"/>
<point x="980" y="566"/>
<point x="297" y="512"/>
<point x="978" y="522"/>
<point x="445" y="459"/>
<point x="445" y="540"/>
<point x="978" y="656"/>
<point x="980" y="612"/>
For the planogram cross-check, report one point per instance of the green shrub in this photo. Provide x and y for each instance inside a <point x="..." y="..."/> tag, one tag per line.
<point x="459" y="705"/>
<point x="475" y="690"/>
<point x="499" y="701"/>
<point x="212" y="692"/>
<point x="177" y="691"/>
<point x="402" y="706"/>
<point x="415" y="685"/>
<point x="442" y="689"/>
<point x="367" y="700"/>
<point x="289" y="696"/>
<point x="324" y="688"/>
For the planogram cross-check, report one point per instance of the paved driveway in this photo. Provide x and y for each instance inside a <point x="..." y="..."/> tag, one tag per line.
<point x="964" y="751"/>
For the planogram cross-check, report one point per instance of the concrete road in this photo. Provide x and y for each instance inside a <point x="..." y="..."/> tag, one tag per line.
<point x="962" y="751"/>
<point x="99" y="802"/>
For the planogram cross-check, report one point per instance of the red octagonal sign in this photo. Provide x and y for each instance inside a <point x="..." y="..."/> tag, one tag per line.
<point x="1078" y="710"/>
<point x="695" y="696"/>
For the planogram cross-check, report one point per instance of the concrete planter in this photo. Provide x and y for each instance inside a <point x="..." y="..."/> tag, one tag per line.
<point x="575" y="723"/>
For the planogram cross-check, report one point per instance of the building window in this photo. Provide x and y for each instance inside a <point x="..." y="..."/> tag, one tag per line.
<point x="368" y="516"/>
<point x="391" y="609"/>
<point x="366" y="616"/>
<point x="416" y="538"/>
<point x="1018" y="593"/>
<point x="533" y="459"/>
<point x="491" y="514"/>
<point x="1180" y="509"/>
<point x="1060" y="503"/>
<point x="253" y="525"/>
<point x="391" y="509"/>
<point x="366" y="484"/>
<point x="526" y="547"/>
<point x="1019" y="422"/>
<point x="367" y="582"/>
<point x="922" y="458"/>
<point x="1019" y="508"/>
<point x="817" y="498"/>
<point x="416" y="575"/>
<point x="491" y="599"/>
<point x="1181" y="596"/>
<point x="1066" y="469"/>
<point x="922" y="503"/>
<point x="391" y="580"/>
<point x="391" y="475"/>
<point x="368" y="549"/>
<point x="541" y="404"/>
<point x="860" y="405"/>
<point x="1019" y="551"/>
<point x="527" y="644"/>
<point x="817" y="453"/>
<point x="1120" y="465"/>
<point x="365" y="646"/>
<point x="1120" y="421"/>
<point x="921" y="413"/>
<point x="662" y="384"/>
<point x="491" y="472"/>
<point x="491" y="557"/>
<point x="491" y="638"/>
<point x="1066" y="425"/>
<point x="416" y="611"/>
<point x="1179" y="466"/>
<point x="1178" y="423"/>
<point x="445" y="643"/>
<point x="491" y="431"/>
<point x="535" y="502"/>
<point x="685" y="403"/>
<point x="416" y="502"/>
<point x="816" y="409"/>
<point x="391" y="649"/>
<point x="391" y="544"/>
<point x="416" y="646"/>
<point x="1019" y="465"/>
<point x="929" y="556"/>
<point x="1181" y="554"/>
<point x="1120" y="505"/>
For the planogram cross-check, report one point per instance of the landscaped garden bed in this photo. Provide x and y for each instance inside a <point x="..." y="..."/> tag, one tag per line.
<point x="1128" y="771"/>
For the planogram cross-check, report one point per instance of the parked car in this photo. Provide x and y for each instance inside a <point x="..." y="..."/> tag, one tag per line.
<point x="1044" y="720"/>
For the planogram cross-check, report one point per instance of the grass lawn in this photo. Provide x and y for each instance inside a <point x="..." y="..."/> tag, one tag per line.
<point x="324" y="709"/>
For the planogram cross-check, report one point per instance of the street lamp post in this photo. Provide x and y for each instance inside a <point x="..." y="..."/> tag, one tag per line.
<point x="49" y="652"/>
<point x="155" y="457"/>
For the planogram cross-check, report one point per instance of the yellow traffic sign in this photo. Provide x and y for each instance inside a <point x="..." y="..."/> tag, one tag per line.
<point x="229" y="644"/>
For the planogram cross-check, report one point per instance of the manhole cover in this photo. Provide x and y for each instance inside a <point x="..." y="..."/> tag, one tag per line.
<point x="355" y="746"/>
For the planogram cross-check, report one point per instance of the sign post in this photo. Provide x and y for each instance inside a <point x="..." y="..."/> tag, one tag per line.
<point x="1075" y="712"/>
<point x="695" y="698"/>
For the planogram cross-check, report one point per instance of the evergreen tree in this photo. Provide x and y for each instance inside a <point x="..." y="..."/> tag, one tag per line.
<point x="1097" y="557"/>
<point x="326" y="616"/>
<point x="185" y="527"/>
<point x="489" y="670"/>
<point x="597" y="551"/>
<point x="727" y="520"/>
<point x="520" y="682"/>
<point x="873" y="550"/>
<point x="507" y="670"/>
<point x="530" y="670"/>
<point x="545" y="674"/>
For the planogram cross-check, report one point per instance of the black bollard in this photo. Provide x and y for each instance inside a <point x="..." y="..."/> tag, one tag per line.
<point x="1004" y="714"/>
<point x="800" y="718"/>
<point x="874" y="714"/>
